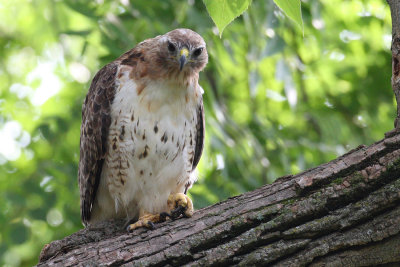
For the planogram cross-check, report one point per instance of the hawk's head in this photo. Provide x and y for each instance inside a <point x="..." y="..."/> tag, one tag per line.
<point x="178" y="55"/>
<point x="182" y="50"/>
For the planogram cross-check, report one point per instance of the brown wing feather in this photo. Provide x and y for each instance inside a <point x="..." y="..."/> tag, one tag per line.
<point x="200" y="132"/>
<point x="96" y="120"/>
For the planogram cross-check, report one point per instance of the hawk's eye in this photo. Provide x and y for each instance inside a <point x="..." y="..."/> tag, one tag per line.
<point x="197" y="52"/>
<point x="171" y="47"/>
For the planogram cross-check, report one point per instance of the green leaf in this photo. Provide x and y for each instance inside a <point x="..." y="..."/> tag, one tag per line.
<point x="223" y="12"/>
<point x="292" y="9"/>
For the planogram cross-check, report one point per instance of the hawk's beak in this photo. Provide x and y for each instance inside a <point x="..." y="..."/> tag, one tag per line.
<point x="183" y="54"/>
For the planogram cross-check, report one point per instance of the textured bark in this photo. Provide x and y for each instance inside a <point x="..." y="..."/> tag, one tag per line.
<point x="395" y="11"/>
<point x="342" y="213"/>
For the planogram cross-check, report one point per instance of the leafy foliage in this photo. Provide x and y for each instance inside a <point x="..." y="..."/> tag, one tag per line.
<point x="292" y="9"/>
<point x="224" y="12"/>
<point x="276" y="102"/>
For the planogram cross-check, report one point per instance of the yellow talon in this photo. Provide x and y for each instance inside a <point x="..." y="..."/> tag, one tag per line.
<point x="180" y="203"/>
<point x="146" y="220"/>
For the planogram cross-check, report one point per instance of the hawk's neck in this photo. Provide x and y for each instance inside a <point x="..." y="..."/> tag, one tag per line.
<point x="181" y="92"/>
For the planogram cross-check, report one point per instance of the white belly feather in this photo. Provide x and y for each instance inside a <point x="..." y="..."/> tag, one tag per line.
<point x="149" y="148"/>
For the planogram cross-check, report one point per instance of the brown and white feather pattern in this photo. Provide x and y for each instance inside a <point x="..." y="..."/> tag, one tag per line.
<point x="142" y="132"/>
<point x="96" y="120"/>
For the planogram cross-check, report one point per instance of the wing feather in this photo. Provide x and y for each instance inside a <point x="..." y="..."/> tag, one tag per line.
<point x="200" y="133"/>
<point x="96" y="120"/>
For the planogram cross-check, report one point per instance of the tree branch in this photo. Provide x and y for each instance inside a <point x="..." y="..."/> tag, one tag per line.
<point x="345" y="207"/>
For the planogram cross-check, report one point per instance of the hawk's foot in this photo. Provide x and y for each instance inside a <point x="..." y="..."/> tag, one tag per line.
<point x="180" y="204"/>
<point x="147" y="220"/>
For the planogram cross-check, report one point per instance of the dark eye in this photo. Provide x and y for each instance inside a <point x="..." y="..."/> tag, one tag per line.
<point x="197" y="52"/>
<point x="171" y="47"/>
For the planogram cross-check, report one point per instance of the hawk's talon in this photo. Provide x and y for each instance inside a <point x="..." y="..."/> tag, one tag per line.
<point x="180" y="204"/>
<point x="151" y="225"/>
<point x="164" y="215"/>
<point x="178" y="211"/>
<point x="146" y="220"/>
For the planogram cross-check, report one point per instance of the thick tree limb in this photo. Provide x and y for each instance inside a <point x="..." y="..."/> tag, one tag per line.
<point x="342" y="213"/>
<point x="334" y="214"/>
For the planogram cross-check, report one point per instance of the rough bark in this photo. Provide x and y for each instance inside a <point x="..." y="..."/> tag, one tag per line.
<point x="342" y="213"/>
<point x="334" y="214"/>
<point x="395" y="11"/>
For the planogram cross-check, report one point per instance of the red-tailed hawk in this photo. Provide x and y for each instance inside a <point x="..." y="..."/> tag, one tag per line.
<point x="142" y="132"/>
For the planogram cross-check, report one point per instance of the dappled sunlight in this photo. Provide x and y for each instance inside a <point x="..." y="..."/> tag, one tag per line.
<point x="44" y="74"/>
<point x="12" y="140"/>
<point x="49" y="86"/>
<point x="79" y="72"/>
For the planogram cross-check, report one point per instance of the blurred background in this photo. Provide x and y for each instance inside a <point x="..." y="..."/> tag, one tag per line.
<point x="277" y="102"/>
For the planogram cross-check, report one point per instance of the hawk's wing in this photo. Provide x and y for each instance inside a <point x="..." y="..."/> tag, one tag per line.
<point x="200" y="132"/>
<point x="96" y="120"/>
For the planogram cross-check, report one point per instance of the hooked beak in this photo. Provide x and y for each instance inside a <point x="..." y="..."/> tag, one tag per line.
<point x="183" y="55"/>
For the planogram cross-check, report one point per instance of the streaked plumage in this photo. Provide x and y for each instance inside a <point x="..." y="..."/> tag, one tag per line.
<point x="142" y="128"/>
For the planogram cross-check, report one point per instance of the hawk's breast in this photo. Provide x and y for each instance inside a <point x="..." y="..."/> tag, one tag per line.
<point x="150" y="145"/>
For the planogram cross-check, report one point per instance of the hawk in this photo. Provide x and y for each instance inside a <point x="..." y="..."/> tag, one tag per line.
<point x="142" y="132"/>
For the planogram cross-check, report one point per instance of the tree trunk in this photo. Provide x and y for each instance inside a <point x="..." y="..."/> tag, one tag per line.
<point x="342" y="213"/>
